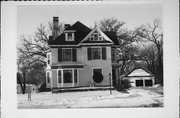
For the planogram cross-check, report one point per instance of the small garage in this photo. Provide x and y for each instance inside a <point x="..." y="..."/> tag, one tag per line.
<point x="140" y="77"/>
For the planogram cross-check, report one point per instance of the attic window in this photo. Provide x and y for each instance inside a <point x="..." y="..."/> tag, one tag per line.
<point x="69" y="36"/>
<point x="96" y="37"/>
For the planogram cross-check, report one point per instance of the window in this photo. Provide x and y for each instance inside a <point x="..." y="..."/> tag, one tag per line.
<point x="75" y="76"/>
<point x="48" y="77"/>
<point x="67" y="76"/>
<point x="69" y="36"/>
<point x="96" y="53"/>
<point x="96" y="37"/>
<point x="91" y="38"/>
<point x="59" y="76"/>
<point x="67" y="54"/>
<point x="48" y="58"/>
<point x="113" y="55"/>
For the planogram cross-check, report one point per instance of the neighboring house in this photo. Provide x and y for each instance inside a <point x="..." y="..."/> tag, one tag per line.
<point x="78" y="53"/>
<point x="29" y="88"/>
<point x="140" y="77"/>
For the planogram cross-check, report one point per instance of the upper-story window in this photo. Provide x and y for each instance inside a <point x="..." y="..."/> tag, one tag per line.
<point x="113" y="55"/>
<point x="69" y="36"/>
<point x="66" y="54"/>
<point x="94" y="53"/>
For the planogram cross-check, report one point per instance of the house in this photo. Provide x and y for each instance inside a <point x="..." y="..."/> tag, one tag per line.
<point x="78" y="53"/>
<point x="29" y="88"/>
<point x="140" y="77"/>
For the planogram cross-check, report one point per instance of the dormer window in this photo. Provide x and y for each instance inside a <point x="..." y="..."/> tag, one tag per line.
<point x="69" y="36"/>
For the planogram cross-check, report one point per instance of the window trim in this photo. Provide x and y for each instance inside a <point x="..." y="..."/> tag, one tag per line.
<point x="71" y="55"/>
<point x="100" y="52"/>
<point x="49" y="58"/>
<point x="66" y="36"/>
<point x="62" y="77"/>
<point x="98" y="39"/>
<point x="50" y="78"/>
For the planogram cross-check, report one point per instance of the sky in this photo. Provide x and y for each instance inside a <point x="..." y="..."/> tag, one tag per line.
<point x="29" y="17"/>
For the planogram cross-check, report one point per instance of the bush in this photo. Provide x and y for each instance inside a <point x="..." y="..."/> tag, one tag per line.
<point x="42" y="87"/>
<point x="97" y="77"/>
<point x="123" y="85"/>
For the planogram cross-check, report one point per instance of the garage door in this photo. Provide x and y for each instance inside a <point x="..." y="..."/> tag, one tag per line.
<point x="139" y="82"/>
<point x="148" y="82"/>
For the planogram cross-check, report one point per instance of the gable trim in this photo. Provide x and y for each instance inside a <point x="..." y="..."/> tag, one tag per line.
<point x="85" y="44"/>
<point x="102" y="34"/>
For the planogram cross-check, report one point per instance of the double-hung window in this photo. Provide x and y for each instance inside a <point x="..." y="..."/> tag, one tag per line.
<point x="59" y="76"/>
<point x="69" y="36"/>
<point x="48" y="77"/>
<point x="67" y="54"/>
<point x="95" y="53"/>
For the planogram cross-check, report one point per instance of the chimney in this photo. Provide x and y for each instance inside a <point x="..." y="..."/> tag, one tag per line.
<point x="55" y="32"/>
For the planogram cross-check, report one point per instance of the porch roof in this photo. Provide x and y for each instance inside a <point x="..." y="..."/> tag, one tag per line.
<point x="67" y="66"/>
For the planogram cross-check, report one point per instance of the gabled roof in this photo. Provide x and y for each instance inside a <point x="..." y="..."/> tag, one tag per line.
<point x="113" y="36"/>
<point x="97" y="30"/>
<point x="137" y="72"/>
<point x="78" y="26"/>
<point x="81" y="31"/>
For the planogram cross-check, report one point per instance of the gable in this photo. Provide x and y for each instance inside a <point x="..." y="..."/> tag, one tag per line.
<point x="139" y="72"/>
<point x="80" y="30"/>
<point x="96" y="36"/>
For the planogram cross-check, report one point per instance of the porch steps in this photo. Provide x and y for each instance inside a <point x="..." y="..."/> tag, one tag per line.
<point x="78" y="89"/>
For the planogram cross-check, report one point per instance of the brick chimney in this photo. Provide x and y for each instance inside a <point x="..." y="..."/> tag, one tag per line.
<point x="55" y="32"/>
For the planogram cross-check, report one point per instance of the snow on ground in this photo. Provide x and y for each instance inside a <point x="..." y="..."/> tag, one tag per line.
<point x="92" y="99"/>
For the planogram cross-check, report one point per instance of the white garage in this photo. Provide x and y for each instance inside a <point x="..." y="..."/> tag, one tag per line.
<point x="140" y="78"/>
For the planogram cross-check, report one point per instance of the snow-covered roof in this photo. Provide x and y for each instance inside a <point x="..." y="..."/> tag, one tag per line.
<point x="139" y="72"/>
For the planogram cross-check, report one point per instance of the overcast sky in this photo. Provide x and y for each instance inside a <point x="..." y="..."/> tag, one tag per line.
<point x="30" y="17"/>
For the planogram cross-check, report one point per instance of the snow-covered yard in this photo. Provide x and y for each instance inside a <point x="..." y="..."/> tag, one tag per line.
<point x="135" y="97"/>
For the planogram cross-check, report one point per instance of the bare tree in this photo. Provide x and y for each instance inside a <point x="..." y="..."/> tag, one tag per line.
<point x="126" y="55"/>
<point x="32" y="52"/>
<point x="152" y="34"/>
<point x="110" y="24"/>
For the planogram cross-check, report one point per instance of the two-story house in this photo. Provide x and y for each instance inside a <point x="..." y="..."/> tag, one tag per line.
<point x="78" y="53"/>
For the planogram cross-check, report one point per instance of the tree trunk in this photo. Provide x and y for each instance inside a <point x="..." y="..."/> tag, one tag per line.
<point x="24" y="83"/>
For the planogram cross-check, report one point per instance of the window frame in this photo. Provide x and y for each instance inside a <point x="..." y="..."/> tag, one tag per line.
<point x="59" y="76"/>
<point x="67" y="36"/>
<point x="63" y="55"/>
<point x="62" y="77"/>
<point x="71" y="76"/>
<point x="100" y="53"/>
<point x="48" y="80"/>
<point x="48" y="58"/>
